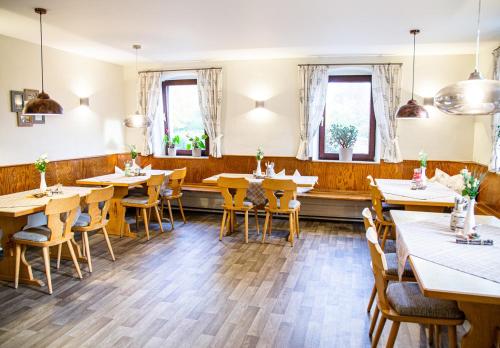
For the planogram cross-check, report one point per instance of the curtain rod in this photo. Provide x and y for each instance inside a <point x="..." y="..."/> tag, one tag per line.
<point x="348" y="64"/>
<point x="173" y="70"/>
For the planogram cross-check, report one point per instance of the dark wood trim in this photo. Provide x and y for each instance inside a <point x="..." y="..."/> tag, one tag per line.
<point x="164" y="87"/>
<point x="372" y="141"/>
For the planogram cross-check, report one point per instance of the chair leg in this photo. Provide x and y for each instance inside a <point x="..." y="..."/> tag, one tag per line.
<point x="430" y="338"/>
<point x="146" y="222"/>
<point x="59" y="252"/>
<point x="297" y="225"/>
<point x="266" y="221"/>
<point x="170" y="214"/>
<point x="182" y="210"/>
<point x="384" y="237"/>
<point x="222" y="225"/>
<point x="246" y="226"/>
<point x="291" y="218"/>
<point x="85" y="238"/>
<point x="158" y="218"/>
<point x="46" y="261"/>
<point x="73" y="257"/>
<point x="256" y="220"/>
<point x="374" y="321"/>
<point x="452" y="336"/>
<point x="380" y="328"/>
<point x="108" y="243"/>
<point x="372" y="298"/>
<point x="437" y="334"/>
<point x="18" y="265"/>
<point x="393" y="334"/>
<point x="162" y="206"/>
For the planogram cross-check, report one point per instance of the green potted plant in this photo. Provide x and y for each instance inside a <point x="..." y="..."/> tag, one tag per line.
<point x="345" y="137"/>
<point x="170" y="144"/>
<point x="133" y="155"/>
<point x="196" y="144"/>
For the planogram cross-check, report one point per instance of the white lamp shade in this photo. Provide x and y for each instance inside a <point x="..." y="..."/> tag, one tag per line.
<point x="137" y="121"/>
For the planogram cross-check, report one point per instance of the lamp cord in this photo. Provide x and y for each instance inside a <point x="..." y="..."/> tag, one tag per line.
<point x="41" y="49"/>
<point x="478" y="34"/>
<point x="413" y="77"/>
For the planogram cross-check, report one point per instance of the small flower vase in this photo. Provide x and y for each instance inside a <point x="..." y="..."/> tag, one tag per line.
<point x="133" y="163"/>
<point x="43" y="184"/>
<point x="423" y="176"/>
<point x="470" y="218"/>
<point x="258" y="171"/>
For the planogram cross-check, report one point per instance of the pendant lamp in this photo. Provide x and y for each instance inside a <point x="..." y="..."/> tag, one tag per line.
<point x="475" y="96"/>
<point x="42" y="104"/>
<point x="412" y="109"/>
<point x="137" y="120"/>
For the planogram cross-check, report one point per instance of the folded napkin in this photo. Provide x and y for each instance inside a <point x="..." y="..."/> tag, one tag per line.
<point x="146" y="169"/>
<point x="282" y="173"/>
<point x="296" y="173"/>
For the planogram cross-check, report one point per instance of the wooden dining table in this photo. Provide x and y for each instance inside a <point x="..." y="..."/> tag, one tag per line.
<point x="301" y="181"/>
<point x="122" y="184"/>
<point x="468" y="274"/>
<point x="14" y="211"/>
<point x="435" y="197"/>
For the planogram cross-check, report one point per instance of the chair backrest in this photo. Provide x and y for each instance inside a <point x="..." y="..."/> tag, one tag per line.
<point x="370" y="180"/>
<point x="96" y="209"/>
<point x="61" y="214"/>
<point x="379" y="266"/>
<point x="176" y="179"/>
<point x="288" y="188"/>
<point x="368" y="219"/>
<point x="233" y="190"/>
<point x="154" y="184"/>
<point x="377" y="202"/>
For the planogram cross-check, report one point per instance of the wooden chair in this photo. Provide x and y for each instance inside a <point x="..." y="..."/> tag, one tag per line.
<point x="383" y="221"/>
<point x="61" y="213"/>
<point x="284" y="204"/>
<point x="390" y="275"/>
<point x="174" y="191"/>
<point x="403" y="301"/>
<point x="98" y="203"/>
<point x="385" y="206"/>
<point x="234" y="191"/>
<point x="151" y="200"/>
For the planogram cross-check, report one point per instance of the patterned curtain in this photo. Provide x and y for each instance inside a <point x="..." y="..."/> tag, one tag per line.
<point x="386" y="89"/>
<point x="149" y="101"/>
<point x="313" y="81"/>
<point x="495" y="120"/>
<point x="210" y="97"/>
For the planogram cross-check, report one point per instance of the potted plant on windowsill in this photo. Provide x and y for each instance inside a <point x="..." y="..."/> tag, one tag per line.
<point x="196" y="144"/>
<point x="170" y="144"/>
<point x="345" y="137"/>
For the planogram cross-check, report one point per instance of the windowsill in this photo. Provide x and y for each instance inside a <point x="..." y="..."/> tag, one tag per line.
<point x="339" y="161"/>
<point x="179" y="156"/>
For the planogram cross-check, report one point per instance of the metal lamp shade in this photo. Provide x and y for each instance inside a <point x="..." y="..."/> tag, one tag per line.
<point x="137" y="121"/>
<point x="42" y="105"/>
<point x="412" y="110"/>
<point x="471" y="97"/>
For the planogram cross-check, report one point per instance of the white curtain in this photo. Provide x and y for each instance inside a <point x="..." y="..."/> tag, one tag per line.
<point x="386" y="89"/>
<point x="313" y="83"/>
<point x="210" y="98"/>
<point x="495" y="120"/>
<point x="149" y="105"/>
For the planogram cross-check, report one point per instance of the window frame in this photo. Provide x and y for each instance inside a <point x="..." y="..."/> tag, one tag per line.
<point x="372" y="135"/>
<point x="164" y="89"/>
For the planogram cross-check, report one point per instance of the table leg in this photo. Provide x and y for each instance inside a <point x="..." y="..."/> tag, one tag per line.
<point x="116" y="214"/>
<point x="9" y="226"/>
<point x="427" y="208"/>
<point x="484" y="320"/>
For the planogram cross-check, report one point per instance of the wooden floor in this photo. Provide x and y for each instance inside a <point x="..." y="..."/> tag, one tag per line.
<point x="186" y="289"/>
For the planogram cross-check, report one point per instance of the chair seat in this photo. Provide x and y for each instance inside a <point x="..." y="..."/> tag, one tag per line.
<point x="390" y="246"/>
<point x="83" y="220"/>
<point x="392" y="266"/>
<point x="169" y="193"/>
<point x="406" y="299"/>
<point x="387" y="216"/>
<point x="135" y="200"/>
<point x="40" y="234"/>
<point x="246" y="205"/>
<point x="293" y="204"/>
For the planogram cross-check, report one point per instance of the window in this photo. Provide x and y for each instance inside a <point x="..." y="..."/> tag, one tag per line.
<point x="182" y="112"/>
<point x="349" y="102"/>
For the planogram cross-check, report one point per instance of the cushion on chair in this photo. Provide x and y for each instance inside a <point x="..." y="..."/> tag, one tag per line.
<point x="392" y="266"/>
<point x="39" y="234"/>
<point x="166" y="192"/>
<point x="83" y="220"/>
<point x="293" y="204"/>
<point x="135" y="200"/>
<point x="390" y="246"/>
<point x="406" y="299"/>
<point x="247" y="204"/>
<point x="387" y="216"/>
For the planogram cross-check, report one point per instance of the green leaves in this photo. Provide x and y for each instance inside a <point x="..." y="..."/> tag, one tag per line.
<point x="344" y="136"/>
<point x="133" y="151"/>
<point x="196" y="142"/>
<point x="260" y="154"/>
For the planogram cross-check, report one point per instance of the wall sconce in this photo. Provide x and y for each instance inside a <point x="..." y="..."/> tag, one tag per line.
<point x="259" y="104"/>
<point x="429" y="101"/>
<point x="84" y="101"/>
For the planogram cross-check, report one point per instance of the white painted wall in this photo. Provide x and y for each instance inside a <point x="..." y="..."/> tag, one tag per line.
<point x="81" y="131"/>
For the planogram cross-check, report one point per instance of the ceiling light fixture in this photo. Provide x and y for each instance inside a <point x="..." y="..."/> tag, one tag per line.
<point x="137" y="120"/>
<point x="412" y="109"/>
<point x="42" y="104"/>
<point x="475" y="96"/>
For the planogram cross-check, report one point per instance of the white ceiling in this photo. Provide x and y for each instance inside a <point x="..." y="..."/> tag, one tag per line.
<point x="187" y="30"/>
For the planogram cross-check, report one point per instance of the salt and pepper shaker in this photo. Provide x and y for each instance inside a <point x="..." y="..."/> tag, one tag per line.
<point x="458" y="214"/>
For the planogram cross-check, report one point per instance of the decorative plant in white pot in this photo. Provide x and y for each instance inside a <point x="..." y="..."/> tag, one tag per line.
<point x="422" y="158"/>
<point x="472" y="182"/>
<point x="170" y="144"/>
<point x="133" y="155"/>
<point x="259" y="156"/>
<point x="196" y="144"/>
<point x="41" y="166"/>
<point x="345" y="137"/>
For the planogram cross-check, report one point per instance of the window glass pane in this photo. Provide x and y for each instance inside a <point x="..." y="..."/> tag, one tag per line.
<point x="184" y="113"/>
<point x="348" y="103"/>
